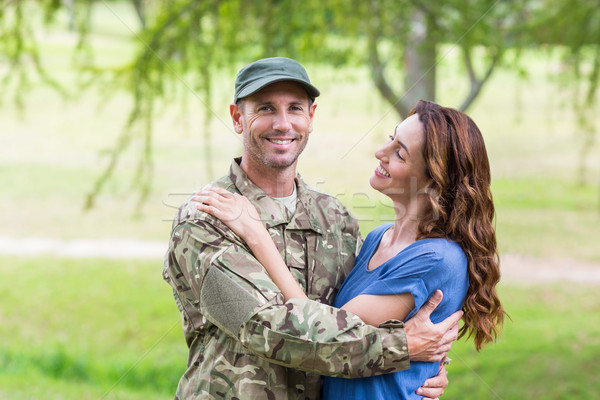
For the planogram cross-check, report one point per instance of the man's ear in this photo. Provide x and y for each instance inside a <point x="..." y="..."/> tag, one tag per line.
<point x="236" y="117"/>
<point x="311" y="114"/>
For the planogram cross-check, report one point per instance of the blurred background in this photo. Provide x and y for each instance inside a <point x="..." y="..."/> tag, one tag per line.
<point x="113" y="112"/>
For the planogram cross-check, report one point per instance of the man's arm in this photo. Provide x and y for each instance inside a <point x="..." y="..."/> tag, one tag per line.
<point x="217" y="278"/>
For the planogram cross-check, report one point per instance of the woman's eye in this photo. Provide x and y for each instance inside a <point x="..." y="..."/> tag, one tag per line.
<point x="398" y="152"/>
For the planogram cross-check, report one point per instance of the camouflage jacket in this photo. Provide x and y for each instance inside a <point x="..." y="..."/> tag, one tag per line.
<point x="244" y="341"/>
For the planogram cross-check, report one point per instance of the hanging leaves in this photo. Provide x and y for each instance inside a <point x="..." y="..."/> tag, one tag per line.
<point x="181" y="43"/>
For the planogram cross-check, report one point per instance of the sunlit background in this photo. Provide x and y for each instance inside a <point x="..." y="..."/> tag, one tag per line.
<point x="84" y="313"/>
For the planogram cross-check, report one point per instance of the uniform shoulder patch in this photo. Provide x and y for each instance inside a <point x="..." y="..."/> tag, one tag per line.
<point x="225" y="301"/>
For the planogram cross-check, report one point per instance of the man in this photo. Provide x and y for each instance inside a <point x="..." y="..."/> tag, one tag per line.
<point x="244" y="341"/>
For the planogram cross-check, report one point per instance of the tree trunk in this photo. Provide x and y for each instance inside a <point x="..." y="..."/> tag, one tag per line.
<point x="140" y="10"/>
<point x="419" y="61"/>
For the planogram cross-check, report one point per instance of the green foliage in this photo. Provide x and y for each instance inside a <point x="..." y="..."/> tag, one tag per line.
<point x="573" y="31"/>
<point x="19" y="50"/>
<point x="50" y="160"/>
<point x="179" y="45"/>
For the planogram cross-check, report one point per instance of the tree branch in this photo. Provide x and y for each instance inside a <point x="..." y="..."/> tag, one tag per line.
<point x="593" y="80"/>
<point x="145" y="87"/>
<point x="376" y="65"/>
<point x="475" y="83"/>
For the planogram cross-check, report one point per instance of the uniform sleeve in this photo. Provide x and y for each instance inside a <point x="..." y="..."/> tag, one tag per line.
<point x="351" y="245"/>
<point x="216" y="277"/>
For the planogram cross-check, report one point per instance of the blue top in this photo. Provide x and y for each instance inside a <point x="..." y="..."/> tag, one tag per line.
<point x="419" y="269"/>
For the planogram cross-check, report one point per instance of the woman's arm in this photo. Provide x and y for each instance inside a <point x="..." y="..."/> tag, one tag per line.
<point x="241" y="217"/>
<point x="376" y="309"/>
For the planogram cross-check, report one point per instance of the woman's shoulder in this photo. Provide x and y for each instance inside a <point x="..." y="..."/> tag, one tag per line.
<point x="441" y="249"/>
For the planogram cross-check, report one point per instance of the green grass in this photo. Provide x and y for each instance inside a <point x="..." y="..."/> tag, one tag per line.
<point x="547" y="218"/>
<point x="96" y="323"/>
<point x="548" y="351"/>
<point x="91" y="329"/>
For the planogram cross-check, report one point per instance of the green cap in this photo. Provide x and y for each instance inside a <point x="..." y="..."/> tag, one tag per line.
<point x="259" y="74"/>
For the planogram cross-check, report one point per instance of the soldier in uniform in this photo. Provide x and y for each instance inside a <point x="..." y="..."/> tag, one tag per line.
<point x="244" y="340"/>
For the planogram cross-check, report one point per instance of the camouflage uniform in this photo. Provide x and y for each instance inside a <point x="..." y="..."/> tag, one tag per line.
<point x="244" y="341"/>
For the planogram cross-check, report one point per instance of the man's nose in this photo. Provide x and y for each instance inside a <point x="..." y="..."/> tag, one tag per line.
<point x="281" y="122"/>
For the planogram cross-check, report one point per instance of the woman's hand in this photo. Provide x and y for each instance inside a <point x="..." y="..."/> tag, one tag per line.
<point x="241" y="216"/>
<point x="233" y="209"/>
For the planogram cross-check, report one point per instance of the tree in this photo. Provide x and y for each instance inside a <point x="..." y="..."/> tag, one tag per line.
<point x="400" y="41"/>
<point x="415" y="31"/>
<point x="574" y="31"/>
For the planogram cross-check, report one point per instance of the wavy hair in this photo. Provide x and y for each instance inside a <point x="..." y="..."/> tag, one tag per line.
<point x="463" y="210"/>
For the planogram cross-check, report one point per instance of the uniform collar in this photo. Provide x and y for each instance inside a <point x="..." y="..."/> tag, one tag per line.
<point x="273" y="212"/>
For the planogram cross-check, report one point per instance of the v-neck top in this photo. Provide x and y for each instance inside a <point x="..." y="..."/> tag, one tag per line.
<point x="419" y="269"/>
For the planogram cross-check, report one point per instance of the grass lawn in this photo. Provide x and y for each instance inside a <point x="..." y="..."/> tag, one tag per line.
<point x="105" y="329"/>
<point x="87" y="327"/>
<point x="548" y="350"/>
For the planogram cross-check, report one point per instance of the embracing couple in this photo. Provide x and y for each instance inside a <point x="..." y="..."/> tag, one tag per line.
<point x="280" y="297"/>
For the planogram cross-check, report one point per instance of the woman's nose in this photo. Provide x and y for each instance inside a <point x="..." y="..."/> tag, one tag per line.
<point x="382" y="153"/>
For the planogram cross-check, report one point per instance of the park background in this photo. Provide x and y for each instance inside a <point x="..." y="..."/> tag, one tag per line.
<point x="84" y="313"/>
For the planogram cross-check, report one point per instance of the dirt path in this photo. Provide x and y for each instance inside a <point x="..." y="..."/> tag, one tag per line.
<point x="515" y="268"/>
<point x="82" y="248"/>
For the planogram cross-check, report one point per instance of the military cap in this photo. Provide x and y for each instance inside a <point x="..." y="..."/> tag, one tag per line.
<point x="259" y="74"/>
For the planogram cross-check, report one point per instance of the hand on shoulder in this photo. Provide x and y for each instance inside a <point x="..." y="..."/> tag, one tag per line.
<point x="234" y="210"/>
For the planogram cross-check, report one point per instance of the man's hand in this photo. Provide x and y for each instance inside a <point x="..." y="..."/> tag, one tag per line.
<point x="426" y="341"/>
<point x="433" y="388"/>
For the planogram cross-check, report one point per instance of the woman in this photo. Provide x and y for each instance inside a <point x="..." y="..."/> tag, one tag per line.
<point x="436" y="172"/>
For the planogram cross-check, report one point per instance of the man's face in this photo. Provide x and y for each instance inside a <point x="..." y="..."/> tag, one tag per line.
<point x="275" y="123"/>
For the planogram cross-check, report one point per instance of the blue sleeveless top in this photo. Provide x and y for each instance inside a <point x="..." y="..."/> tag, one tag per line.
<point x="419" y="269"/>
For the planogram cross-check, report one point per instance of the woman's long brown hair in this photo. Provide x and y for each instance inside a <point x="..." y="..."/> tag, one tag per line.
<point x="463" y="210"/>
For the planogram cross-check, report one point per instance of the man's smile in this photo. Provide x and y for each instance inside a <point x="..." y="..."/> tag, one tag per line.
<point x="280" y="141"/>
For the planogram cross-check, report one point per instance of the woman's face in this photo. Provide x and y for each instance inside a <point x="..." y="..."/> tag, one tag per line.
<point x="401" y="171"/>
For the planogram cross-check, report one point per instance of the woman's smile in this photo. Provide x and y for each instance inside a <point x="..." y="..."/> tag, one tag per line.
<point x="382" y="172"/>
